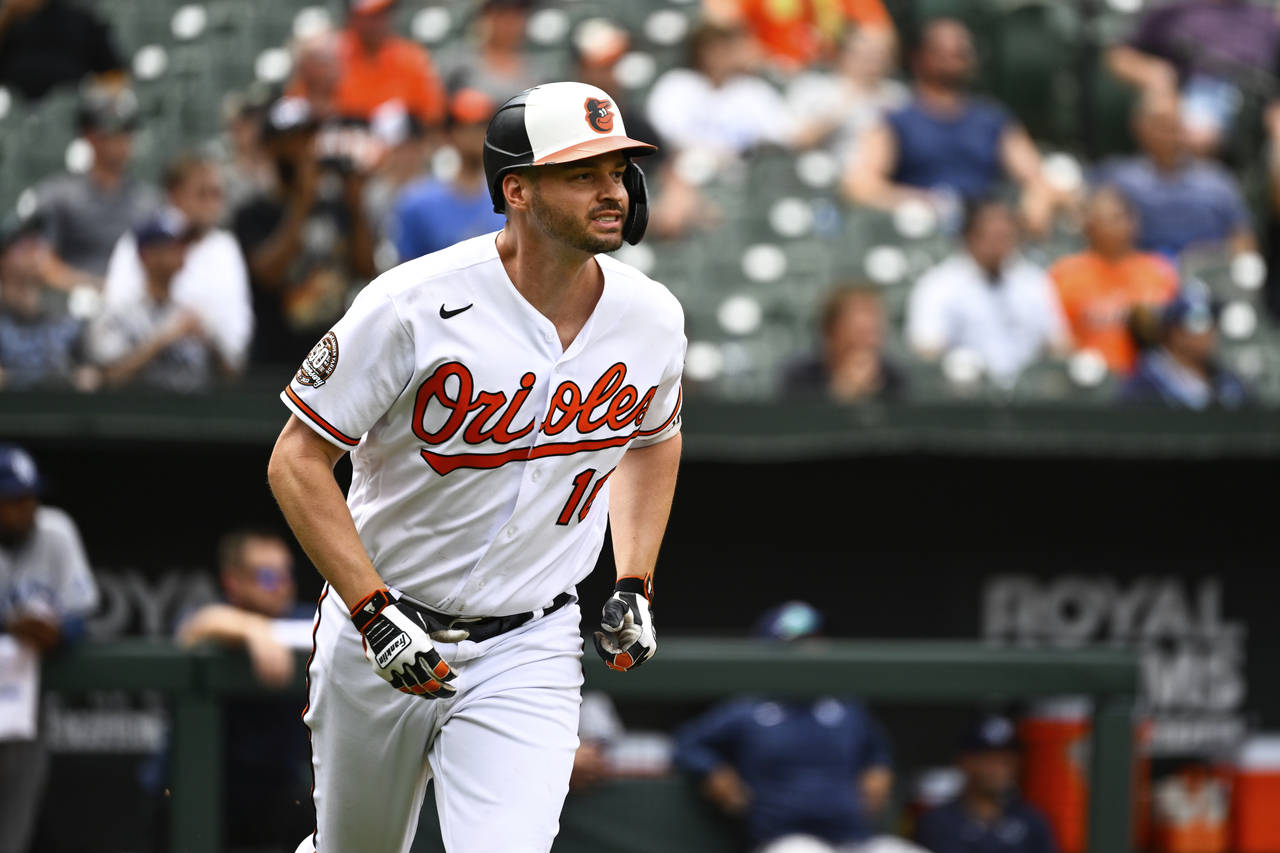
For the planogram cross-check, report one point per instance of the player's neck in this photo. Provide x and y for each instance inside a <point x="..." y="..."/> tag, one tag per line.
<point x="563" y="284"/>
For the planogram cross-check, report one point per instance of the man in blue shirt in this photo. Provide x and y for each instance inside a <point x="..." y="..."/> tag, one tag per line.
<point x="817" y="768"/>
<point x="437" y="212"/>
<point x="947" y="147"/>
<point x="1183" y="201"/>
<point x="988" y="816"/>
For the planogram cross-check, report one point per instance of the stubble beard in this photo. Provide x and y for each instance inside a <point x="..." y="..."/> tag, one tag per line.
<point x="568" y="229"/>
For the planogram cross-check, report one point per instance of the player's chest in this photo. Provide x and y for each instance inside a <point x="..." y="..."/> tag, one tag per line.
<point x="478" y="409"/>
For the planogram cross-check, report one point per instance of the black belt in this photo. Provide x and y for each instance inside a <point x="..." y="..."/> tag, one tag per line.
<point x="482" y="628"/>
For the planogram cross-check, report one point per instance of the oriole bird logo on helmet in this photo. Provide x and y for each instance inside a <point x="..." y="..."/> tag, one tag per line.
<point x="599" y="115"/>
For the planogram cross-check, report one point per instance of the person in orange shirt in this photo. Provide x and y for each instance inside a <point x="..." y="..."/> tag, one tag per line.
<point x="1100" y="287"/>
<point x="378" y="67"/>
<point x="796" y="34"/>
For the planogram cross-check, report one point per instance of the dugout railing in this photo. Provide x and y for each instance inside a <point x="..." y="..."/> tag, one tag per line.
<point x="687" y="669"/>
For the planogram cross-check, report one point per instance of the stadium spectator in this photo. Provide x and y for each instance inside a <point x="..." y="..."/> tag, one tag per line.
<point x="39" y="343"/>
<point x="988" y="815"/>
<point x="988" y="299"/>
<point x="264" y="795"/>
<point x="46" y="592"/>
<point x="1204" y="51"/>
<point x="947" y="147"/>
<point x="494" y="60"/>
<point x="308" y="241"/>
<point x="151" y="340"/>
<point x="796" y="36"/>
<point x="1181" y="370"/>
<point x="437" y="212"/>
<point x="852" y="365"/>
<point x="835" y="109"/>
<point x="85" y="214"/>
<point x="1100" y="287"/>
<point x="317" y="61"/>
<point x="213" y="281"/>
<point x="381" y="70"/>
<point x="1183" y="201"/>
<point x="716" y="104"/>
<point x="45" y="44"/>
<point x="244" y="165"/>
<point x="814" y="768"/>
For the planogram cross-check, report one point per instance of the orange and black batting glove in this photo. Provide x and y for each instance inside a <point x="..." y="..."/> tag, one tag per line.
<point x="626" y="637"/>
<point x="398" y="646"/>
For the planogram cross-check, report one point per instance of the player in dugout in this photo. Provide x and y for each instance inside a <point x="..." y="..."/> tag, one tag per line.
<point x="812" y="775"/>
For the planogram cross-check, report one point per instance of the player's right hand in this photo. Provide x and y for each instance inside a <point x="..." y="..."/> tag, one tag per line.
<point x="399" y="648"/>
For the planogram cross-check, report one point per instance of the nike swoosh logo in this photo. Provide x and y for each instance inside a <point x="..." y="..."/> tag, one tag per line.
<point x="445" y="314"/>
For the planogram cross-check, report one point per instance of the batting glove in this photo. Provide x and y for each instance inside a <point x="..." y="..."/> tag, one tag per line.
<point x="400" y="649"/>
<point x="627" y="638"/>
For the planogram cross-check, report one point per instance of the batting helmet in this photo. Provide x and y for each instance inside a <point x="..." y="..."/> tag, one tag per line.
<point x="561" y="123"/>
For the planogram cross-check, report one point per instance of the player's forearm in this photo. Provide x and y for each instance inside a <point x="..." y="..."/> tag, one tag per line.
<point x="301" y="477"/>
<point x="640" y="495"/>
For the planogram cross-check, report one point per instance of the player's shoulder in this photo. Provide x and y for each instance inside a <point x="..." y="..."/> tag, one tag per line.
<point x="403" y="279"/>
<point x="650" y="296"/>
<point x="55" y="523"/>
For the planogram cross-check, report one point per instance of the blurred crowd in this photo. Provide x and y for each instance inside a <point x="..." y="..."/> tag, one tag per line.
<point x="813" y="775"/>
<point x="253" y="243"/>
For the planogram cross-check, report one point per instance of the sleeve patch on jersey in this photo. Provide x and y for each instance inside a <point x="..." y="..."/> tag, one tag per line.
<point x="319" y="363"/>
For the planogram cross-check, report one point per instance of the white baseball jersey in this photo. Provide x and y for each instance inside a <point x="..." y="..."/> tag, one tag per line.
<point x="481" y="449"/>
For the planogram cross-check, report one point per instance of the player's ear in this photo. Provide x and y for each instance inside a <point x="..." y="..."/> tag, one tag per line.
<point x="517" y="187"/>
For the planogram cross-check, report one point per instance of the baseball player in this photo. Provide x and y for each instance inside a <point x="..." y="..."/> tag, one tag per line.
<point x="500" y="399"/>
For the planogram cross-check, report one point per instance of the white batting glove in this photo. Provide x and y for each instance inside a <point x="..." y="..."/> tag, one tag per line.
<point x="400" y="649"/>
<point x="627" y="638"/>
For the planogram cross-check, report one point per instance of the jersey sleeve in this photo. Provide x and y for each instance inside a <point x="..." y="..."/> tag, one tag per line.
<point x="662" y="418"/>
<point x="354" y="373"/>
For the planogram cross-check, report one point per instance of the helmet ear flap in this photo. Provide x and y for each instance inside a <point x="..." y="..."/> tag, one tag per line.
<point x="638" y="209"/>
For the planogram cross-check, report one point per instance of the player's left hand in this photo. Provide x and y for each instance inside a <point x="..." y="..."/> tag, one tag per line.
<point x="627" y="638"/>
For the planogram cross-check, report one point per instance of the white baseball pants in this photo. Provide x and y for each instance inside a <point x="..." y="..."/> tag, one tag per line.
<point x="500" y="750"/>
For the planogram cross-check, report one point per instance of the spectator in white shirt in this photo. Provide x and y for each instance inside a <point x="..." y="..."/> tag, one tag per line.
<point x="989" y="300"/>
<point x="213" y="282"/>
<point x="152" y="341"/>
<point x="716" y="104"/>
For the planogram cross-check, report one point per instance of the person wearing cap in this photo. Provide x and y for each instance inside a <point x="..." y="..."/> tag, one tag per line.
<point x="988" y="816"/>
<point x="152" y="340"/>
<point x="486" y="393"/>
<point x="213" y="281"/>
<point x="85" y="214"/>
<point x="818" y="768"/>
<point x="439" y="211"/>
<point x="46" y="592"/>
<point x="1180" y="370"/>
<point x="308" y="241"/>
<point x="39" y="345"/>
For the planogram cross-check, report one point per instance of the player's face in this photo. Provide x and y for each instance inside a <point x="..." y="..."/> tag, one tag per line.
<point x="199" y="197"/>
<point x="17" y="519"/>
<point x="263" y="582"/>
<point x="582" y="204"/>
<point x="993" y="772"/>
